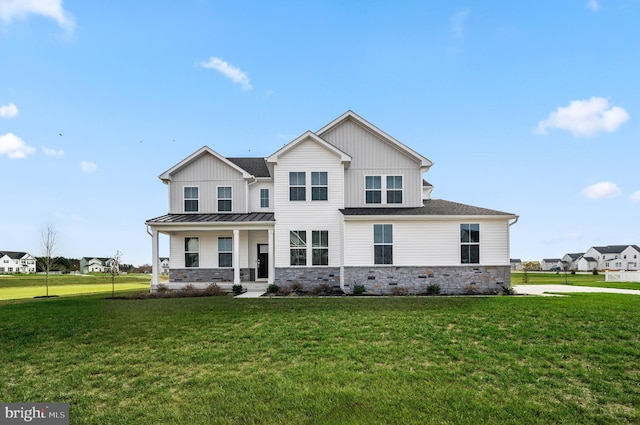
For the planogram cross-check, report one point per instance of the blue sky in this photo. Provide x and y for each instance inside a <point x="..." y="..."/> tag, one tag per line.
<point x="525" y="107"/>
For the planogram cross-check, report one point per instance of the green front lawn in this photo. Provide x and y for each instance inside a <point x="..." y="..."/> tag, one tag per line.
<point x="578" y="279"/>
<point x="336" y="360"/>
<point x="17" y="286"/>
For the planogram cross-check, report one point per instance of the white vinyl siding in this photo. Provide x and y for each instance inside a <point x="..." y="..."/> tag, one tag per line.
<point x="426" y="242"/>
<point x="208" y="248"/>
<point x="255" y="196"/>
<point x="308" y="215"/>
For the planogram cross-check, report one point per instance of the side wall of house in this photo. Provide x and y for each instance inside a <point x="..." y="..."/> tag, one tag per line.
<point x="254" y="196"/>
<point x="207" y="173"/>
<point x="372" y="156"/>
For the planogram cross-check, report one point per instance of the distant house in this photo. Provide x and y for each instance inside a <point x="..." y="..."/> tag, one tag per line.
<point x="516" y="264"/>
<point x="571" y="260"/>
<point x="551" y="264"/>
<point x="615" y="257"/>
<point x="95" y="264"/>
<point x="344" y="205"/>
<point x="585" y="263"/>
<point x="164" y="265"/>
<point x="17" y="262"/>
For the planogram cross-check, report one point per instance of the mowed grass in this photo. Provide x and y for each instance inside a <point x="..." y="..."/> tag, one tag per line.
<point x="336" y="360"/>
<point x="29" y="286"/>
<point x="578" y="279"/>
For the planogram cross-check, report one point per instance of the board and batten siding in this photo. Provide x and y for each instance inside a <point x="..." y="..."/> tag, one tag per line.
<point x="373" y="156"/>
<point x="208" y="254"/>
<point x="308" y="215"/>
<point x="426" y="242"/>
<point x="207" y="173"/>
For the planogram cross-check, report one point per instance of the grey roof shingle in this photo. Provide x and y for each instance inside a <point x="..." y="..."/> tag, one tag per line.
<point x="430" y="207"/>
<point x="212" y="218"/>
<point x="612" y="249"/>
<point x="254" y="166"/>
<point x="14" y="255"/>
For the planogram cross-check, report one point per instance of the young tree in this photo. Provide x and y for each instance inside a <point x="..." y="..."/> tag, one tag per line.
<point x="114" y="269"/>
<point x="48" y="245"/>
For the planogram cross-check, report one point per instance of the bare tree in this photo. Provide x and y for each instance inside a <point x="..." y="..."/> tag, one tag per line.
<point x="48" y="245"/>
<point x="114" y="269"/>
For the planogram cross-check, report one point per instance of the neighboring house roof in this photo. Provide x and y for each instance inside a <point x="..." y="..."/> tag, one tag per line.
<point x="431" y="207"/>
<point x="96" y="258"/>
<point x="612" y="249"/>
<point x="254" y="166"/>
<point x="15" y="255"/>
<point x="575" y="256"/>
<point x="350" y="115"/>
<point x="515" y="260"/>
<point x="551" y="260"/>
<point x="590" y="259"/>
<point x="211" y="218"/>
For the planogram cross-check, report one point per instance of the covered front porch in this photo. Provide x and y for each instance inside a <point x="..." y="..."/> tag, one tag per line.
<point x="226" y="249"/>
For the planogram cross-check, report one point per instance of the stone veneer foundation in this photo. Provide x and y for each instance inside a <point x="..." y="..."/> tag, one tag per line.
<point x="196" y="275"/>
<point x="308" y="277"/>
<point x="415" y="280"/>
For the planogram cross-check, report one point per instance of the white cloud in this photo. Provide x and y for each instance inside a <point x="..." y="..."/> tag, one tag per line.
<point x="585" y="118"/>
<point x="229" y="71"/>
<point x="594" y="5"/>
<point x="8" y="111"/>
<point x="12" y="9"/>
<point x="52" y="152"/>
<point x="458" y="22"/>
<point x="88" y="167"/>
<point x="14" y="147"/>
<point x="636" y="196"/>
<point x="602" y="190"/>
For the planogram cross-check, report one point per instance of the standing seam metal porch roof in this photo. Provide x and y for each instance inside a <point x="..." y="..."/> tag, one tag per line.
<point x="212" y="218"/>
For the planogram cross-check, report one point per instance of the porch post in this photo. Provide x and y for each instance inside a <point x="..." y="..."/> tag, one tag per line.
<point x="272" y="270"/>
<point x="155" y="259"/>
<point x="236" y="257"/>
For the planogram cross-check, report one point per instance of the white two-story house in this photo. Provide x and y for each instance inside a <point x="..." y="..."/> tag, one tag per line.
<point x="17" y="262"/>
<point x="344" y="205"/>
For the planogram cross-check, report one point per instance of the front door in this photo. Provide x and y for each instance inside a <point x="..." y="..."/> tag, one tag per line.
<point x="263" y="261"/>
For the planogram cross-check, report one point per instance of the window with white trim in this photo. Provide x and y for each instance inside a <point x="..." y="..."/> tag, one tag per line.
<point x="191" y="199"/>
<point x="224" y="199"/>
<point x="191" y="252"/>
<point x="319" y="186"/>
<point x="394" y="189"/>
<point x="383" y="244"/>
<point x="320" y="247"/>
<point x="470" y="243"/>
<point x="264" y="198"/>
<point x="298" y="247"/>
<point x="297" y="186"/>
<point x="373" y="189"/>
<point x="225" y="252"/>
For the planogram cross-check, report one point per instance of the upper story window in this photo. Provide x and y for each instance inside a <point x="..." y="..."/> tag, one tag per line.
<point x="470" y="243"/>
<point x="224" y="199"/>
<point x="191" y="252"/>
<point x="298" y="247"/>
<point x="297" y="186"/>
<point x="394" y="189"/>
<point x="319" y="186"/>
<point x="264" y="198"/>
<point x="191" y="199"/>
<point x="383" y="244"/>
<point x="373" y="189"/>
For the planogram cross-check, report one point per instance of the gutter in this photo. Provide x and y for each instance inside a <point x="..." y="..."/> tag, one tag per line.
<point x="515" y="220"/>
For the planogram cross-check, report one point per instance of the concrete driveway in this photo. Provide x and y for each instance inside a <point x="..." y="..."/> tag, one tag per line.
<point x="545" y="289"/>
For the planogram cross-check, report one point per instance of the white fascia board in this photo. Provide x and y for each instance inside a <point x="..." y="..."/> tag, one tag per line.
<point x="201" y="227"/>
<point x="344" y="157"/>
<point x="428" y="217"/>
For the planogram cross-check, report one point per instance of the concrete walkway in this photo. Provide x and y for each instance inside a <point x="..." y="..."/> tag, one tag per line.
<point x="254" y="290"/>
<point x="545" y="289"/>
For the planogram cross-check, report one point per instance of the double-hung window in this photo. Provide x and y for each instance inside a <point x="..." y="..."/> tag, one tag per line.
<point x="373" y="189"/>
<point x="224" y="199"/>
<point x="264" y="198"/>
<point x="383" y="244"/>
<point x="191" y="199"/>
<point x="319" y="186"/>
<point x="394" y="189"/>
<point x="320" y="247"/>
<point x="298" y="247"/>
<point x="297" y="186"/>
<point x="191" y="252"/>
<point x="470" y="243"/>
<point x="225" y="252"/>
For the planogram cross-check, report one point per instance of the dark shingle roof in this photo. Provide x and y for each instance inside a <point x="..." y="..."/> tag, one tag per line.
<point x="575" y="256"/>
<point x="254" y="166"/>
<point x="611" y="249"/>
<point x="590" y="259"/>
<point x="551" y="260"/>
<point x="211" y="218"/>
<point x="15" y="255"/>
<point x="430" y="207"/>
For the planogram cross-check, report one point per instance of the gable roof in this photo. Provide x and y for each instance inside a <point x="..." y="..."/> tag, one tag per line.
<point x="254" y="166"/>
<point x="308" y="135"/>
<point x="430" y="207"/>
<point x="14" y="255"/>
<point x="551" y="260"/>
<point x="350" y="115"/>
<point x="575" y="256"/>
<point x="166" y="176"/>
<point x="613" y="249"/>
